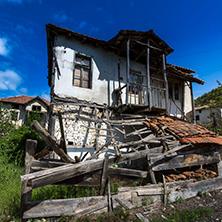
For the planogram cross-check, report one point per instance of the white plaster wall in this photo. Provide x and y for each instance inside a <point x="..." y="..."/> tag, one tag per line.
<point x="36" y="103"/>
<point x="104" y="72"/>
<point x="187" y="99"/>
<point x="204" y="115"/>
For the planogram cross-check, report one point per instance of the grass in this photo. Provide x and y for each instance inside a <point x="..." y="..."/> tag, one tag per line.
<point x="185" y="215"/>
<point x="10" y="189"/>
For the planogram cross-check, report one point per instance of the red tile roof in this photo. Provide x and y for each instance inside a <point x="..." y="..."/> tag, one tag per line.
<point x="184" y="131"/>
<point x="22" y="99"/>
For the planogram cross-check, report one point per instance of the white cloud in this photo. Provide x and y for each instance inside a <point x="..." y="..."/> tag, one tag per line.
<point x="9" y="80"/>
<point x="3" y="48"/>
<point x="45" y="96"/>
<point x="82" y="24"/>
<point x="62" y="17"/>
<point x="23" y="90"/>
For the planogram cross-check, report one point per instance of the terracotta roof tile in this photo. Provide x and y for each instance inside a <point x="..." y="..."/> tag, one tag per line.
<point x="184" y="131"/>
<point x="22" y="99"/>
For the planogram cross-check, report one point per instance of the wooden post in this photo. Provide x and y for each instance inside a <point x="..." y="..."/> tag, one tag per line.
<point x="103" y="179"/>
<point x="166" y="82"/>
<point x="110" y="205"/>
<point x="152" y="175"/>
<point x="183" y="100"/>
<point x="164" y="191"/>
<point x="63" y="141"/>
<point x="119" y="75"/>
<point x="127" y="69"/>
<point x="148" y="77"/>
<point x="219" y="166"/>
<point x="193" y="106"/>
<point x="51" y="142"/>
<point x="26" y="194"/>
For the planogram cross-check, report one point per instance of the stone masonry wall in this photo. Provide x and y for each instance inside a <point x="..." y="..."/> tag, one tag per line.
<point x="76" y="132"/>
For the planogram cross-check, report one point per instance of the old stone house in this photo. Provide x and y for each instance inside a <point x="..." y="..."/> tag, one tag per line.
<point x="127" y="76"/>
<point x="22" y="106"/>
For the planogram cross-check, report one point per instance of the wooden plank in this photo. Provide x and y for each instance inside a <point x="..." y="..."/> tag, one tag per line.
<point x="141" y="217"/>
<point x="54" y="175"/>
<point x="26" y="194"/>
<point x="121" y="203"/>
<point x="172" y="151"/>
<point x="152" y="174"/>
<point x="103" y="180"/>
<point x="165" y="191"/>
<point x="150" y="191"/>
<point x="51" y="142"/>
<point x="149" y="139"/>
<point x="127" y="172"/>
<point x="58" y="208"/>
<point x="46" y="151"/>
<point x="63" y="140"/>
<point x="181" y="161"/>
<point x="47" y="163"/>
<point x="187" y="189"/>
<point x="136" y="133"/>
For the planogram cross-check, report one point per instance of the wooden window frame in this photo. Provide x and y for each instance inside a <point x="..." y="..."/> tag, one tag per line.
<point x="82" y="66"/>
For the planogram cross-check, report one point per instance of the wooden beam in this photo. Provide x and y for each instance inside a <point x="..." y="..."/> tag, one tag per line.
<point x="127" y="69"/>
<point x="51" y="142"/>
<point x="127" y="172"/>
<point x="57" y="174"/>
<point x="26" y="194"/>
<point x="148" y="77"/>
<point x="63" y="140"/>
<point x="166" y="83"/>
<point x="103" y="180"/>
<point x="181" y="161"/>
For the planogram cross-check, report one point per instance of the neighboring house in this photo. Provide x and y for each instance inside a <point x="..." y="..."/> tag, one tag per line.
<point x="21" y="106"/>
<point x="127" y="75"/>
<point x="207" y="114"/>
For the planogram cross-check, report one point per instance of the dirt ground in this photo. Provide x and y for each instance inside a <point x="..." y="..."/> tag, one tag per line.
<point x="211" y="200"/>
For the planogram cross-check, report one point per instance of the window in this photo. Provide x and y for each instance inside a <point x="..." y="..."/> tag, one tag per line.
<point x="200" y="111"/>
<point x="15" y="106"/>
<point x="170" y="85"/>
<point x="36" y="108"/>
<point x="197" y="117"/>
<point x="174" y="90"/>
<point x="82" y="71"/>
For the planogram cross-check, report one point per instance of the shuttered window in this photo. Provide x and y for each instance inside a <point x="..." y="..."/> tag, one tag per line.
<point x="82" y="71"/>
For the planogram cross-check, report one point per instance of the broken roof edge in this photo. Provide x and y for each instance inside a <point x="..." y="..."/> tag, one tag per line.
<point x="185" y="73"/>
<point x="135" y="34"/>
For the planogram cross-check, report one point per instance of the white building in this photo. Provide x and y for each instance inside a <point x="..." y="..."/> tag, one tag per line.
<point x="126" y="75"/>
<point x="206" y="114"/>
<point x="21" y="106"/>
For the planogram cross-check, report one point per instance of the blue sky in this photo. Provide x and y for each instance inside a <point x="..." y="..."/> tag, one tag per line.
<point x="192" y="28"/>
